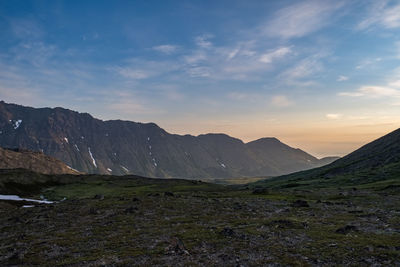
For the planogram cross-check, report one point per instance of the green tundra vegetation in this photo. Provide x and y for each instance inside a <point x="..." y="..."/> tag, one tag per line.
<point x="130" y="220"/>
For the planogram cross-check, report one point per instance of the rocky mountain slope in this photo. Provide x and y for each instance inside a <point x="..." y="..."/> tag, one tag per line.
<point x="34" y="161"/>
<point x="124" y="147"/>
<point x="377" y="161"/>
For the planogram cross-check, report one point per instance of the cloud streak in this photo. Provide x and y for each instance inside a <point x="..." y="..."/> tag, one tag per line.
<point x="275" y="54"/>
<point x="166" y="49"/>
<point x="373" y="92"/>
<point x="281" y="101"/>
<point x="301" y="19"/>
<point x="381" y="13"/>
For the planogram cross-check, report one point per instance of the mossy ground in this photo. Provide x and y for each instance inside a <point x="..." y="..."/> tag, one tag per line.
<point x="138" y="223"/>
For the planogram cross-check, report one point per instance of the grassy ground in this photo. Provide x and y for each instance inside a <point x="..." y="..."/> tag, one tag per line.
<point x="235" y="181"/>
<point x="135" y="221"/>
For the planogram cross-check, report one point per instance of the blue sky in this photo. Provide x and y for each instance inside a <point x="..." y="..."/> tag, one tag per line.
<point x="320" y="75"/>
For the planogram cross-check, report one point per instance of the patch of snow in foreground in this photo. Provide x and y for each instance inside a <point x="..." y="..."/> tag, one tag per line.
<point x="108" y="169"/>
<point x="66" y="139"/>
<point x="93" y="160"/>
<point x="76" y="147"/>
<point x="28" y="206"/>
<point x="223" y="165"/>
<point x="17" y="198"/>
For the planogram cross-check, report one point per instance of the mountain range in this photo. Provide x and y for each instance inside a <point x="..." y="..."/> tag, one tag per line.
<point x="121" y="147"/>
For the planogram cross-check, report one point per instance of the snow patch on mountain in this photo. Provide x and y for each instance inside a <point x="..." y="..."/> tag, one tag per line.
<point x="17" y="123"/>
<point x="93" y="160"/>
<point x="125" y="169"/>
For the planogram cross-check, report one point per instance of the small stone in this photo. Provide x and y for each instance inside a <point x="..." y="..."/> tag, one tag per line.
<point x="101" y="197"/>
<point x="300" y="204"/>
<point x="130" y="210"/>
<point x="177" y="246"/>
<point x="168" y="194"/>
<point x="347" y="229"/>
<point x="260" y="191"/>
<point x="227" y="231"/>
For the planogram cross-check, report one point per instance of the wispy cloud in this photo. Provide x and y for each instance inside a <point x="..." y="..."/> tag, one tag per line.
<point x="139" y="69"/>
<point x="131" y="107"/>
<point x="199" y="71"/>
<point x="373" y="92"/>
<point x="26" y="29"/>
<point x="368" y="62"/>
<point x="382" y="13"/>
<point x="333" y="116"/>
<point x="395" y="84"/>
<point x="281" y="101"/>
<point x="203" y="41"/>
<point x="303" y="69"/>
<point x="301" y="19"/>
<point x="275" y="54"/>
<point x="342" y="78"/>
<point x="135" y="74"/>
<point x="166" y="49"/>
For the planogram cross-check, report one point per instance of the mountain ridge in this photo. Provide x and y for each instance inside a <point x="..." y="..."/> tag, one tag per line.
<point x="122" y="147"/>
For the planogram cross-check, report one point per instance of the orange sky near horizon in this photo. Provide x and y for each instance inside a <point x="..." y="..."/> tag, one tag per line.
<point x="320" y="140"/>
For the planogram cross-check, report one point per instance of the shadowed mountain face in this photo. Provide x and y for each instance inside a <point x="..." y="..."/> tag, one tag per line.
<point x="34" y="161"/>
<point x="122" y="147"/>
<point x="377" y="161"/>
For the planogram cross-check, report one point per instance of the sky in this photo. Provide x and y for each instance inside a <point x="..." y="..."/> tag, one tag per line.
<point x="323" y="76"/>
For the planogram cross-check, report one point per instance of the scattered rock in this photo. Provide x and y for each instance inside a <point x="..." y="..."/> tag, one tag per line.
<point x="168" y="194"/>
<point x="176" y="246"/>
<point x="131" y="210"/>
<point x="93" y="211"/>
<point x="227" y="232"/>
<point x="101" y="197"/>
<point x="300" y="204"/>
<point x="347" y="229"/>
<point x="355" y="211"/>
<point x="260" y="191"/>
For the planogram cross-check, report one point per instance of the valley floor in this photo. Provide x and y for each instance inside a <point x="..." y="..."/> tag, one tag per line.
<point x="184" y="223"/>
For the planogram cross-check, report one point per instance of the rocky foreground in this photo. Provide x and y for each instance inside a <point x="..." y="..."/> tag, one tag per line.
<point x="181" y="223"/>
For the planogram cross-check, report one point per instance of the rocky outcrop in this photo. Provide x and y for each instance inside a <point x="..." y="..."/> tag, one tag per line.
<point x="34" y="161"/>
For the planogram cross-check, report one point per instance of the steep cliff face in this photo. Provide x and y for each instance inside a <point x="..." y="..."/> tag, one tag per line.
<point x="123" y="147"/>
<point x="34" y="161"/>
